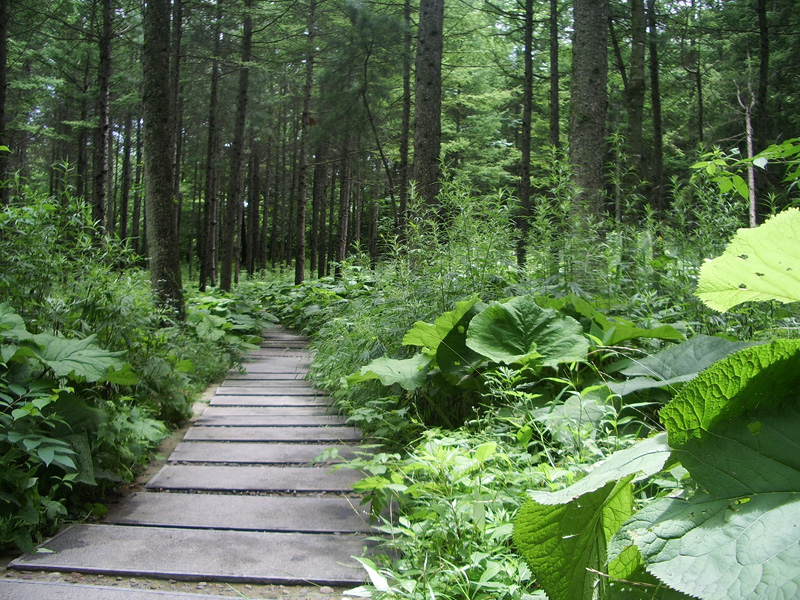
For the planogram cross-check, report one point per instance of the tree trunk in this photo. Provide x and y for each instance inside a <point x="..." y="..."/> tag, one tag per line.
<point x="207" y="247"/>
<point x="761" y="132"/>
<point x="165" y="272"/>
<point x="325" y="261"/>
<point x="636" y="86"/>
<point x="405" y="126"/>
<point x="136" y="219"/>
<point x="344" y="208"/>
<point x="589" y="100"/>
<point x="4" y="195"/>
<point x="428" y="109"/>
<point x="234" y="203"/>
<point x="277" y="204"/>
<point x="254" y="212"/>
<point x="555" y="117"/>
<point x="302" y="166"/>
<point x="657" y="168"/>
<point x="525" y="150"/>
<point x="268" y="202"/>
<point x="751" y="170"/>
<point x="82" y="161"/>
<point x="111" y="187"/>
<point x="175" y="102"/>
<point x="101" y="154"/>
<point x="319" y="195"/>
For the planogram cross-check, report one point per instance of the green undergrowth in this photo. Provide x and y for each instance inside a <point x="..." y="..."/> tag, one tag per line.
<point x="92" y="374"/>
<point x="525" y="421"/>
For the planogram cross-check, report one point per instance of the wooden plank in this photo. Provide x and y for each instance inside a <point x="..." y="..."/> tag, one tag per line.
<point x="253" y="479"/>
<point x="268" y="390"/>
<point x="273" y="434"/>
<point x="255" y="452"/>
<point x="268" y="400"/>
<point x="265" y="411"/>
<point x="244" y="513"/>
<point x="214" y="555"/>
<point x="269" y="421"/>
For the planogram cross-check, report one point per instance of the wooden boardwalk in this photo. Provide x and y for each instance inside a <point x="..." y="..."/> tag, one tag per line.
<point x="240" y="499"/>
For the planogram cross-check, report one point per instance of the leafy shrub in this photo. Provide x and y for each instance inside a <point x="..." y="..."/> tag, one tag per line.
<point x="720" y="531"/>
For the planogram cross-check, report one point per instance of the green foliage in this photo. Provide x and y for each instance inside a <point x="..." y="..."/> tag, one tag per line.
<point x="728" y="427"/>
<point x="521" y="332"/>
<point x="566" y="544"/>
<point x="758" y="264"/>
<point x="674" y="365"/>
<point x="90" y="370"/>
<point x="731" y="429"/>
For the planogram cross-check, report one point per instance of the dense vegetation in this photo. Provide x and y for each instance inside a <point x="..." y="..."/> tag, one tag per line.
<point x="505" y="208"/>
<point x="486" y="386"/>
<point x="92" y="373"/>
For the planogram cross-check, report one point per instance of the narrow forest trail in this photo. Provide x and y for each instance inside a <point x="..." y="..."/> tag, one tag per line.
<point x="239" y="499"/>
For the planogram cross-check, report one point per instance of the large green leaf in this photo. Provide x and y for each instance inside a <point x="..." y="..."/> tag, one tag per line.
<point x="610" y="330"/>
<point x="520" y="331"/>
<point x="675" y="365"/>
<point x="80" y="359"/>
<point x="457" y="362"/>
<point x="11" y="324"/>
<point x="758" y="264"/>
<point x="409" y="373"/>
<point x="722" y="549"/>
<point x="735" y="428"/>
<point x="565" y="545"/>
<point x="760" y="377"/>
<point x="646" y="457"/>
<point x="430" y="336"/>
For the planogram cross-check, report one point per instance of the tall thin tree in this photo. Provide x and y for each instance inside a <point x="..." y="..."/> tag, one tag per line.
<point x="302" y="151"/>
<point x="657" y="166"/>
<point x="162" y="242"/>
<point x="589" y="99"/>
<point x="3" y="86"/>
<point x="234" y="205"/>
<point x="103" y="132"/>
<point x="428" y="101"/>
<point x="525" y="149"/>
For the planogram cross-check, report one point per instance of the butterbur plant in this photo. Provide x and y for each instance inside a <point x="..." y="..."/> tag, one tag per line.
<point x="463" y="343"/>
<point x="730" y="532"/>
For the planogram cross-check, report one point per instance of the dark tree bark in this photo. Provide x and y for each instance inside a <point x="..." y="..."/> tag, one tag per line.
<point x="330" y="252"/>
<point x="4" y="195"/>
<point x="555" y="116"/>
<point x="405" y="125"/>
<point x="82" y="162"/>
<point x="657" y="167"/>
<point x="268" y="202"/>
<point x="345" y="181"/>
<point x="319" y="195"/>
<point x="525" y="149"/>
<point x="302" y="151"/>
<point x="761" y="132"/>
<point x="136" y="218"/>
<point x="428" y="109"/>
<point x="589" y="100"/>
<point x="207" y="248"/>
<point x="175" y="89"/>
<point x="636" y="86"/>
<point x="234" y="203"/>
<point x="253" y="225"/>
<point x="103" y="133"/>
<point x="165" y="272"/>
<point x="277" y="204"/>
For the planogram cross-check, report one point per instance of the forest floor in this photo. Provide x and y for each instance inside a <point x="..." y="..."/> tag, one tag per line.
<point x="210" y="588"/>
